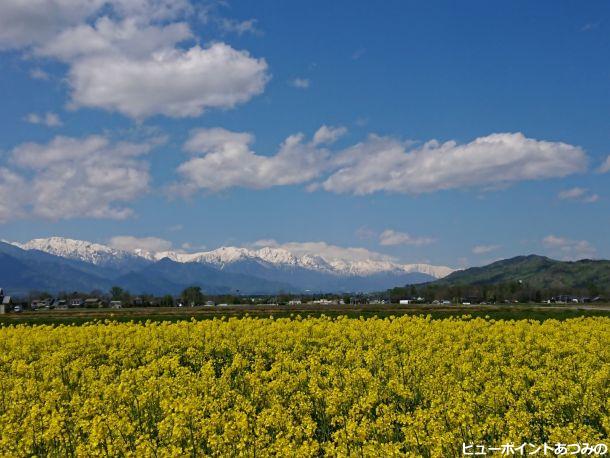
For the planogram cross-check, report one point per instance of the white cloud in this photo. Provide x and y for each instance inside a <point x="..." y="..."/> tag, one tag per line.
<point x="149" y="244"/>
<point x="32" y="22"/>
<point x="224" y="160"/>
<point x="325" y="250"/>
<point x="390" y="237"/>
<point x="239" y="27"/>
<point x="262" y="243"/>
<point x="124" y="55"/>
<point x="191" y="248"/>
<point x="125" y="38"/>
<point x="152" y="10"/>
<point x="216" y="139"/>
<point x="25" y="23"/>
<point x="72" y="177"/>
<point x="14" y="193"/>
<point x="573" y="193"/>
<point x="484" y="249"/>
<point x="605" y="167"/>
<point x="173" y="82"/>
<point x="578" y="194"/>
<point x="385" y="164"/>
<point x="328" y="135"/>
<point x="300" y="83"/>
<point x="39" y="74"/>
<point x="49" y="119"/>
<point x="568" y="249"/>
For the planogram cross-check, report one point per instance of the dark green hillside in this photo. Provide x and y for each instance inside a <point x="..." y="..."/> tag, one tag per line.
<point x="522" y="279"/>
<point x="538" y="272"/>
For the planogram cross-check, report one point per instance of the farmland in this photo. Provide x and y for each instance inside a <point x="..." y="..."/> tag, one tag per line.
<point x="296" y="386"/>
<point x="143" y="314"/>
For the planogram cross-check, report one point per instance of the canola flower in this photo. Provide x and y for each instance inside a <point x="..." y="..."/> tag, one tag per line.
<point x="408" y="386"/>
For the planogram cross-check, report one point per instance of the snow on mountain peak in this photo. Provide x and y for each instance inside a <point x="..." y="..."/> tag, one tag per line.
<point x="276" y="255"/>
<point x="93" y="253"/>
<point x="217" y="257"/>
<point x="99" y="254"/>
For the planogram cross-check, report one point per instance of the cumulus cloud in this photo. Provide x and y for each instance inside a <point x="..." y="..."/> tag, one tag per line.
<point x="328" y="135"/>
<point x="224" y="159"/>
<point x="385" y="164"/>
<point x="14" y="193"/>
<point x="125" y="56"/>
<point x="25" y="23"/>
<point x="568" y="249"/>
<point x="171" y="82"/>
<point x="484" y="249"/>
<point x="215" y="139"/>
<point x="106" y="36"/>
<point x="300" y="83"/>
<point x="325" y="250"/>
<point x="578" y="194"/>
<point x="32" y="22"/>
<point x="49" y="119"/>
<point x="390" y="237"/>
<point x="148" y="244"/>
<point x="77" y="177"/>
<point x="605" y="167"/>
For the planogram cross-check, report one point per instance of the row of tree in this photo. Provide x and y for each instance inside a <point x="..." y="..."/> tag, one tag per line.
<point x="428" y="293"/>
<point x="493" y="293"/>
<point x="191" y="296"/>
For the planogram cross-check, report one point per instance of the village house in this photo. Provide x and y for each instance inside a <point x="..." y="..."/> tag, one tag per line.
<point x="76" y="302"/>
<point x="61" y="304"/>
<point x="325" y="302"/>
<point x="93" y="302"/>
<point x="41" y="304"/>
<point x="5" y="302"/>
<point x="116" y="304"/>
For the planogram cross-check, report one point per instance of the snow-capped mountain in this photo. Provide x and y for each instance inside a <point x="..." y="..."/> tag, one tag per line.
<point x="103" y="255"/>
<point x="262" y="270"/>
<point x="81" y="250"/>
<point x="282" y="257"/>
<point x="224" y="256"/>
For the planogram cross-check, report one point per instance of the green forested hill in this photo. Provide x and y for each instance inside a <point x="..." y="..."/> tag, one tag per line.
<point x="538" y="272"/>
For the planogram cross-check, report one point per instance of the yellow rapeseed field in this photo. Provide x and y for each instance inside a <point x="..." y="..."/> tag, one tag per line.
<point x="302" y="387"/>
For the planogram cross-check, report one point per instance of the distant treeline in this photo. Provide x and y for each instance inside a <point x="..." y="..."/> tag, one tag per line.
<point x="425" y="293"/>
<point x="500" y="292"/>
<point x="191" y="296"/>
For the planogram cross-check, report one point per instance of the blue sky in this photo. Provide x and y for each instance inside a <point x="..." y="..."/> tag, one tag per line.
<point x="179" y="131"/>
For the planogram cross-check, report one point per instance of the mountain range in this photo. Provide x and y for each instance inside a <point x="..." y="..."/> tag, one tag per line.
<point x="61" y="264"/>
